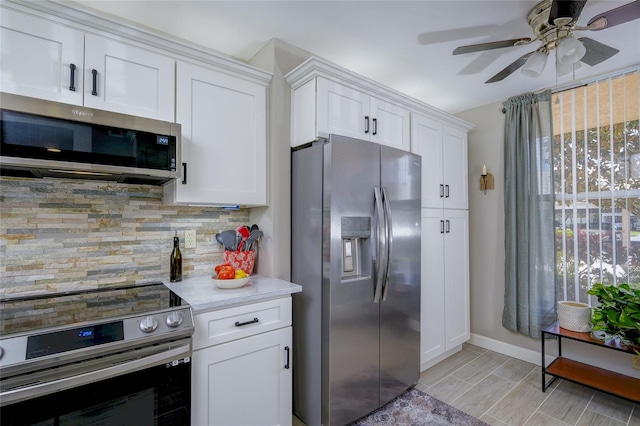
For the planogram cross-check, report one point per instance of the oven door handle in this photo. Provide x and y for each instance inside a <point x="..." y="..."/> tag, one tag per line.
<point x="34" y="391"/>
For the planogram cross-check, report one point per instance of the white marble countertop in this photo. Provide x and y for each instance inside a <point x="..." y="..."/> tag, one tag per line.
<point x="203" y="295"/>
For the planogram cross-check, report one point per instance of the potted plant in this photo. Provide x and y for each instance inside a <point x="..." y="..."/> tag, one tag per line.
<point x="618" y="313"/>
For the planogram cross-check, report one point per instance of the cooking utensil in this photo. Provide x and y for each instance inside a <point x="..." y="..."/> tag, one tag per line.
<point x="228" y="239"/>
<point x="253" y="237"/>
<point x="244" y="231"/>
<point x="243" y="234"/>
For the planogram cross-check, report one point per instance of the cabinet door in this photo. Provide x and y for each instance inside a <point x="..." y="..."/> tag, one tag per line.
<point x="245" y="382"/>
<point x="37" y="57"/>
<point x="426" y="140"/>
<point x="432" y="340"/>
<point x="224" y="145"/>
<point x="129" y="80"/>
<point x="342" y="110"/>
<point x="455" y="168"/>
<point x="389" y="124"/>
<point x="456" y="274"/>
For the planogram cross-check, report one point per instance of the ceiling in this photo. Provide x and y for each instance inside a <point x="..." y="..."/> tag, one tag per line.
<point x="406" y="45"/>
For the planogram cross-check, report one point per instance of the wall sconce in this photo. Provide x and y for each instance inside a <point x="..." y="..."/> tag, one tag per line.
<point x="486" y="180"/>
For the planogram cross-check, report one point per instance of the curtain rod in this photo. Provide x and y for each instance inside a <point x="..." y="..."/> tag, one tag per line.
<point x="575" y="84"/>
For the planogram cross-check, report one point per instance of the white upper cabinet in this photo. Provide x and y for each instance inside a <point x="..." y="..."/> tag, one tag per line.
<point x="444" y="162"/>
<point x="127" y="79"/>
<point x="41" y="59"/>
<point x="224" y="145"/>
<point x="329" y="100"/>
<point x="345" y="111"/>
<point x="47" y="60"/>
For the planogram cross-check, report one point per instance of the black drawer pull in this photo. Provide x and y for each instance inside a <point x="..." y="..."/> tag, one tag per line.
<point x="94" y="92"/>
<point x="72" y="82"/>
<point x="366" y="124"/>
<point x="184" y="173"/>
<point x="240" y="324"/>
<point x="375" y="126"/>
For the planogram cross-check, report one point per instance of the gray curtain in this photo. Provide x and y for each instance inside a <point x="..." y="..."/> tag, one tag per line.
<point x="529" y="299"/>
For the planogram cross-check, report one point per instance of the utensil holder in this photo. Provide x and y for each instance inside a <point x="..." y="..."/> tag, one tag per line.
<point x="244" y="260"/>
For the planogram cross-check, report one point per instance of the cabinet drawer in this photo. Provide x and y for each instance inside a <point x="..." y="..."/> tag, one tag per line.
<point x="225" y="325"/>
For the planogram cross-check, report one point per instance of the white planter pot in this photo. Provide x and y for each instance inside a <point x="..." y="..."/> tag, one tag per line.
<point x="574" y="316"/>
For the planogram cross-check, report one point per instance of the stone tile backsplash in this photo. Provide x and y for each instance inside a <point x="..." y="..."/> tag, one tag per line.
<point x="58" y="234"/>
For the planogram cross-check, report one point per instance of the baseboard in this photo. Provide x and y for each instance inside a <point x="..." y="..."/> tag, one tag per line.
<point x="428" y="364"/>
<point x="508" y="349"/>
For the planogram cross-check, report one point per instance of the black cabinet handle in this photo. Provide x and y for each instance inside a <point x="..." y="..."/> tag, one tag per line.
<point x="375" y="126"/>
<point x="184" y="173"/>
<point x="286" y="348"/>
<point x="240" y="324"/>
<point x="441" y="190"/>
<point x="94" y="92"/>
<point x="448" y="226"/>
<point x="442" y="226"/>
<point x="446" y="191"/>
<point x="366" y="124"/>
<point x="72" y="80"/>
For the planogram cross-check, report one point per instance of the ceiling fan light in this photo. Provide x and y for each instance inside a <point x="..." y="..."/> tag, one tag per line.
<point x="535" y="64"/>
<point x="564" y="69"/>
<point x="570" y="51"/>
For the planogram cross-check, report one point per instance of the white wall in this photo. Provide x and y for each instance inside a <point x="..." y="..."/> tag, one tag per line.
<point x="486" y="253"/>
<point x="274" y="258"/>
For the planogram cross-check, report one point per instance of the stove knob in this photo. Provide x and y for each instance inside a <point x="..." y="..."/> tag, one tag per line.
<point x="174" y="319"/>
<point x="148" y="324"/>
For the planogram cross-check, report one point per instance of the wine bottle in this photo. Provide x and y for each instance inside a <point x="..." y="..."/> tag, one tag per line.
<point x="175" y="273"/>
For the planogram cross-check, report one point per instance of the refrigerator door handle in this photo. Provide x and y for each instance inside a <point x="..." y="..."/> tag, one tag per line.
<point x="381" y="243"/>
<point x="389" y="237"/>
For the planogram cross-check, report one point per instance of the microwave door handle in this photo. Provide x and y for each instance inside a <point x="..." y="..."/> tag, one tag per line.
<point x="380" y="244"/>
<point x="389" y="237"/>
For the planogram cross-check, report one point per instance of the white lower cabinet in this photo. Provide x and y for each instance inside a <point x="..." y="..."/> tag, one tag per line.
<point x="247" y="380"/>
<point x="445" y="282"/>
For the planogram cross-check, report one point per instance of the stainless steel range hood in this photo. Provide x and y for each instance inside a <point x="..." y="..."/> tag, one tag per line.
<point x="41" y="138"/>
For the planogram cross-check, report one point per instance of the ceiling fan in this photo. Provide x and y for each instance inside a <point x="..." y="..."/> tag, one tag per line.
<point x="553" y="23"/>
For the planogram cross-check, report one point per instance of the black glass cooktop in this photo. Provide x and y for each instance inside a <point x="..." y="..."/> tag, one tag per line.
<point x="35" y="312"/>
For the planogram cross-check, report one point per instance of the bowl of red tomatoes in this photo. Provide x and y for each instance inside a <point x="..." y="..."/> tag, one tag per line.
<point x="226" y="276"/>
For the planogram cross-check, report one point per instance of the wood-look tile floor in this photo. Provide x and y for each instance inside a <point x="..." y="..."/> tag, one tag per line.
<point x="504" y="391"/>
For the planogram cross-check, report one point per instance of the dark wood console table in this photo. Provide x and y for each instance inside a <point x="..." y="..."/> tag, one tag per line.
<point x="594" y="377"/>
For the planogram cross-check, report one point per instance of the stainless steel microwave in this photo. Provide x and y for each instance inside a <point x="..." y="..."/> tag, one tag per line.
<point x="41" y="138"/>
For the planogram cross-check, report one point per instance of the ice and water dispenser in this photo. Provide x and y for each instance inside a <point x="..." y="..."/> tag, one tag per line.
<point x="355" y="231"/>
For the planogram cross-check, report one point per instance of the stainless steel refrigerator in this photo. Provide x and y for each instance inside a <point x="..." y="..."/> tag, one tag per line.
<point x="356" y="253"/>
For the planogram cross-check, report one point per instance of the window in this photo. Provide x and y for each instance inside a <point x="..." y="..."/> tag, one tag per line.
<point x="597" y="185"/>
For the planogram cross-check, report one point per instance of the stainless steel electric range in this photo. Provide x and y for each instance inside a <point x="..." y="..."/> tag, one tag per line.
<point x="108" y="356"/>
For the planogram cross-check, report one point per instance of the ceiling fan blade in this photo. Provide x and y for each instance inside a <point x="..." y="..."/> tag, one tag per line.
<point x="510" y="69"/>
<point x="566" y="9"/>
<point x="596" y="51"/>
<point x="491" y="45"/>
<point x="617" y="16"/>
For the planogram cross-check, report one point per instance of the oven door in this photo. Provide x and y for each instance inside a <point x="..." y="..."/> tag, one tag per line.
<point x="134" y="395"/>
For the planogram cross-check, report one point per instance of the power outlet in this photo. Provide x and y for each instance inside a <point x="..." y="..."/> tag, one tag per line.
<point x="635" y="362"/>
<point x="190" y="238"/>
